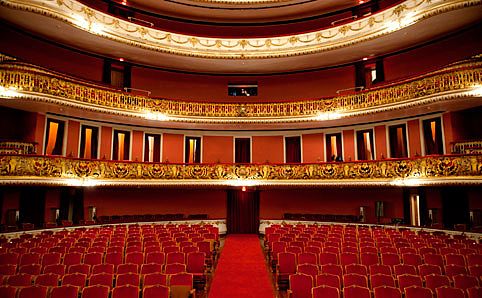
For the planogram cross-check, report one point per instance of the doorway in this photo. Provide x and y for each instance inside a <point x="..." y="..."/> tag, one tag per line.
<point x="243" y="212"/>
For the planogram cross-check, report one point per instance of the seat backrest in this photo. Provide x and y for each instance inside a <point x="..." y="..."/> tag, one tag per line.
<point x="104" y="279"/>
<point x="465" y="281"/>
<point x="196" y="262"/>
<point x="356" y="292"/>
<point x="287" y="263"/>
<point x="181" y="279"/>
<point x="378" y="280"/>
<point x="156" y="291"/>
<point x="404" y="269"/>
<point x="128" y="279"/>
<point x="8" y="291"/>
<point x="325" y="292"/>
<point x="326" y="279"/>
<point x="75" y="279"/>
<point x="475" y="292"/>
<point x="127" y="268"/>
<point x="32" y="291"/>
<point x="448" y="292"/>
<point x="153" y="279"/>
<point x="103" y="268"/>
<point x="96" y="291"/>
<point x="418" y="292"/>
<point x="47" y="280"/>
<point x="19" y="280"/>
<point x="355" y="279"/>
<point x="426" y="269"/>
<point x="356" y="268"/>
<point x="64" y="292"/>
<point x="175" y="268"/>
<point x="386" y="292"/>
<point x="407" y="280"/>
<point x="300" y="285"/>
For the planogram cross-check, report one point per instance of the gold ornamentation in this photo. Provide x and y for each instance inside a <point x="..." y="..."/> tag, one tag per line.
<point x="36" y="84"/>
<point x="357" y="31"/>
<point x="440" y="169"/>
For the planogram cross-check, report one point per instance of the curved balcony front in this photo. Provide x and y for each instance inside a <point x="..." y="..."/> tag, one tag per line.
<point x="72" y="23"/>
<point x="29" y="87"/>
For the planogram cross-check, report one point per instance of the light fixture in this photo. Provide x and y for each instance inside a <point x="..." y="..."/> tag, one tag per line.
<point x="365" y="58"/>
<point x="156" y="116"/>
<point x="243" y="188"/>
<point x="476" y="90"/>
<point x="8" y="92"/>
<point x="121" y="59"/>
<point x="323" y="116"/>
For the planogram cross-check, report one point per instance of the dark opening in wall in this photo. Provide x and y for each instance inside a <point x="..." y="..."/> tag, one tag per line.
<point x="246" y="89"/>
<point x="117" y="74"/>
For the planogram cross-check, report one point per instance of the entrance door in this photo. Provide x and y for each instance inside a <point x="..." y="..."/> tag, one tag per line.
<point x="243" y="212"/>
<point x="455" y="207"/>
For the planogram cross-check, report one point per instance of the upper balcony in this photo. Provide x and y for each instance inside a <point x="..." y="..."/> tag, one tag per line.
<point x="454" y="87"/>
<point x="77" y="25"/>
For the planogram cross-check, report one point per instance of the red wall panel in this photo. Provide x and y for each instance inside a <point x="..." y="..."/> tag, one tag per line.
<point x="52" y="201"/>
<point x="434" y="55"/>
<point x="349" y="145"/>
<point x="106" y="143"/>
<point x="270" y="88"/>
<point x="11" y="200"/>
<point x="414" y="141"/>
<point x="267" y="149"/>
<point x="381" y="141"/>
<point x="48" y="55"/>
<point x="172" y="148"/>
<point x="137" y="145"/>
<point x="218" y="149"/>
<point x="156" y="201"/>
<point x="449" y="133"/>
<point x="73" y="133"/>
<point x="313" y="148"/>
<point x="275" y="203"/>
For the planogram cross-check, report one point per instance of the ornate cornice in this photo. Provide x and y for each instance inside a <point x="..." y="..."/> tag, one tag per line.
<point x="30" y="83"/>
<point x="369" y="28"/>
<point x="48" y="170"/>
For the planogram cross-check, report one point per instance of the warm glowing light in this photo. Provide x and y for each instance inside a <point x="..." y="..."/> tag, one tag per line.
<point x="477" y="90"/>
<point x="393" y="25"/>
<point x="408" y="19"/>
<point x="365" y="59"/>
<point x="156" y="116"/>
<point x="121" y="59"/>
<point x="96" y="28"/>
<point x="328" y="116"/>
<point x="124" y="2"/>
<point x="86" y="25"/>
<point x="82" y="182"/>
<point x="8" y="92"/>
<point x="243" y="188"/>
<point x="242" y="183"/>
<point x="407" y="182"/>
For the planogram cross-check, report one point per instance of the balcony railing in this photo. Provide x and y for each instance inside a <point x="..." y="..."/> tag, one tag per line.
<point x="467" y="147"/>
<point x="36" y="84"/>
<point x="15" y="147"/>
<point x="49" y="170"/>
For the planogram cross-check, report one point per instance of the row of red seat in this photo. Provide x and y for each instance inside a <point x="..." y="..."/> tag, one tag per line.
<point x="128" y="291"/>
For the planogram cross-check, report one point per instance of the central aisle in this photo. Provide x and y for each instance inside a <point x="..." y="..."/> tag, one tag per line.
<point x="241" y="270"/>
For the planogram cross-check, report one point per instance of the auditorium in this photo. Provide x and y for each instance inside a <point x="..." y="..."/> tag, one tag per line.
<point x="241" y="148"/>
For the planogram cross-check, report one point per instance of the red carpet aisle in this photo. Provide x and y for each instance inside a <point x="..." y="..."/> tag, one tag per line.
<point x="241" y="270"/>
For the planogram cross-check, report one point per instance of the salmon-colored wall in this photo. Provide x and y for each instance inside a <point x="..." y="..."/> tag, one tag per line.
<point x="48" y="55"/>
<point x="172" y="148"/>
<point x="381" y="141"/>
<point x="275" y="203"/>
<point x="156" y="201"/>
<point x="137" y="145"/>
<point x="73" y="132"/>
<point x="414" y="144"/>
<point x="349" y="145"/>
<point x="313" y="147"/>
<point x="106" y="143"/>
<point x="218" y="149"/>
<point x="267" y="149"/>
<point x="39" y="133"/>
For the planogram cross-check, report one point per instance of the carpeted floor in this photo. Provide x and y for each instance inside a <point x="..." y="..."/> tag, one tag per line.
<point x="241" y="270"/>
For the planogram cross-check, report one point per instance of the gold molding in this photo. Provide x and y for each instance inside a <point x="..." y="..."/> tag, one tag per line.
<point x="377" y="25"/>
<point x="49" y="170"/>
<point x="36" y="84"/>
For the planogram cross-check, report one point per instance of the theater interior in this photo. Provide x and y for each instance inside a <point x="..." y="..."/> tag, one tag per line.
<point x="272" y="145"/>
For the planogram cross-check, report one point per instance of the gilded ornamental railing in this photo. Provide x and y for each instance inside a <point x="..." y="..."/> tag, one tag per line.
<point x="29" y="80"/>
<point x="16" y="147"/>
<point x="450" y="169"/>
<point x="467" y="147"/>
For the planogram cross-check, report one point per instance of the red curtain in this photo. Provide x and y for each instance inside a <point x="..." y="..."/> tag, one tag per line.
<point x="242" y="150"/>
<point x="293" y="149"/>
<point x="243" y="212"/>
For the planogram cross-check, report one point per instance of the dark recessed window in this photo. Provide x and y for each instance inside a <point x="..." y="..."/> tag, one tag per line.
<point x="432" y="136"/>
<point x="243" y="89"/>
<point x="293" y="149"/>
<point x="365" y="145"/>
<point x="192" y="150"/>
<point x="54" y="138"/>
<point x="89" y="140"/>
<point x="242" y="150"/>
<point x="152" y="148"/>
<point x="333" y="147"/>
<point x="398" y="141"/>
<point x="121" y="146"/>
<point x="117" y="74"/>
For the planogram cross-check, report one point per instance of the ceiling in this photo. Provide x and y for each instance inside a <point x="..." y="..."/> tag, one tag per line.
<point x="431" y="24"/>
